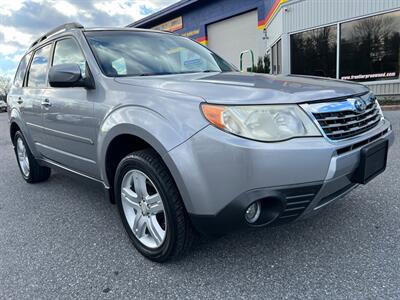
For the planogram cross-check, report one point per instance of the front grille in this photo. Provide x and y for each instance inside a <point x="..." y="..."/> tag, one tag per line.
<point x="345" y="124"/>
<point x="349" y="148"/>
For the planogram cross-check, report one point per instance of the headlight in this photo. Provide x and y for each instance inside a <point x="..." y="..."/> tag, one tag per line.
<point x="268" y="123"/>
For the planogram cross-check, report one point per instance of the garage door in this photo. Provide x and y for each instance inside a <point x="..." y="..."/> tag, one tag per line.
<point x="230" y="37"/>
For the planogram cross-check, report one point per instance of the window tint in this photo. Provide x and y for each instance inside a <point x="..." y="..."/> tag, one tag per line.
<point x="313" y="52"/>
<point x="68" y="52"/>
<point x="38" y="70"/>
<point x="370" y="48"/>
<point x="126" y="53"/>
<point x="19" y="77"/>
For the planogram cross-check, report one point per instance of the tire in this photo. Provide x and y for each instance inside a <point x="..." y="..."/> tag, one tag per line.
<point x="33" y="173"/>
<point x="178" y="234"/>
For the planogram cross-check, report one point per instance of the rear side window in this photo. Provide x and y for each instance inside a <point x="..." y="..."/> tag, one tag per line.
<point x="68" y="52"/>
<point x="38" y="70"/>
<point x="20" y="75"/>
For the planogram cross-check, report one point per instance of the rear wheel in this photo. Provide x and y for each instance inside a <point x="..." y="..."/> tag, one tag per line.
<point x="151" y="208"/>
<point x="30" y="169"/>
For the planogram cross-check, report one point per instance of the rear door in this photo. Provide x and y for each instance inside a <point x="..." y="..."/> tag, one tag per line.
<point x="16" y="94"/>
<point x="31" y="97"/>
<point x="69" y="126"/>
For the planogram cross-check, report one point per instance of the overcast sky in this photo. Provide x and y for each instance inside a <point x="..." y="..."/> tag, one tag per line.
<point x="23" y="21"/>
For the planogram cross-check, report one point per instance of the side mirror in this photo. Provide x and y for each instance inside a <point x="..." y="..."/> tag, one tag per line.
<point x="68" y="75"/>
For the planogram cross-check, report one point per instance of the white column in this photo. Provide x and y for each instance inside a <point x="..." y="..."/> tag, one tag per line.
<point x="285" y="53"/>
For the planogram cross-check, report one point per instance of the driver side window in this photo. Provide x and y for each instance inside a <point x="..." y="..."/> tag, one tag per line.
<point x="67" y="51"/>
<point x="38" y="69"/>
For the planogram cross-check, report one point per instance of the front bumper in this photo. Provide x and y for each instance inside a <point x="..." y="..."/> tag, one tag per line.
<point x="219" y="174"/>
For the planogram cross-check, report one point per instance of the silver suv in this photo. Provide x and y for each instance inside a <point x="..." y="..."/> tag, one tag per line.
<point x="182" y="141"/>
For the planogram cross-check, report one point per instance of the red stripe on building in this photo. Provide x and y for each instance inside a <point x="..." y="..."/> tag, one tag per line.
<point x="201" y="39"/>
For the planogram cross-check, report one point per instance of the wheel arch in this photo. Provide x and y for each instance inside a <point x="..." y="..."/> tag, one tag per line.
<point x="147" y="128"/>
<point x="133" y="141"/>
<point x="17" y="124"/>
<point x="120" y="146"/>
<point x="13" y="130"/>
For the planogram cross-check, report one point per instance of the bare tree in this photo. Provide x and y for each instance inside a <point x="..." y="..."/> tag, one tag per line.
<point x="4" y="87"/>
<point x="373" y="34"/>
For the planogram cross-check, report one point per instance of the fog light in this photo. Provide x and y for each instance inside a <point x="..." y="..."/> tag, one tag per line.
<point x="253" y="212"/>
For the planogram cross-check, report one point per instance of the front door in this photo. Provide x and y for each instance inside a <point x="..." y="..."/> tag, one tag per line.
<point x="68" y="123"/>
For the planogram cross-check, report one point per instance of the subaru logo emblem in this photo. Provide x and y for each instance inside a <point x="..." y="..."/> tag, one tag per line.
<point x="360" y="105"/>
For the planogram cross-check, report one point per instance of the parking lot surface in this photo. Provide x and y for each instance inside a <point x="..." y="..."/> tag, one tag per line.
<point x="62" y="239"/>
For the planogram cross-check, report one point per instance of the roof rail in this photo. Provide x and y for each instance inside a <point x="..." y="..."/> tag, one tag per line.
<point x="63" y="27"/>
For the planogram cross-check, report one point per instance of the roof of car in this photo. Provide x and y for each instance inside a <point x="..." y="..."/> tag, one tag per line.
<point x="122" y="29"/>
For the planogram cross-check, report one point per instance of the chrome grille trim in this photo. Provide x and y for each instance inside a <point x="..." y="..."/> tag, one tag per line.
<point x="370" y="116"/>
<point x="340" y="120"/>
<point x="350" y="115"/>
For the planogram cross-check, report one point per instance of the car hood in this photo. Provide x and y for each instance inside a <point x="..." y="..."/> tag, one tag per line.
<point x="250" y="88"/>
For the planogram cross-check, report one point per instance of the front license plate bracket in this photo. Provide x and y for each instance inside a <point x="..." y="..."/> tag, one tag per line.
<point x="373" y="161"/>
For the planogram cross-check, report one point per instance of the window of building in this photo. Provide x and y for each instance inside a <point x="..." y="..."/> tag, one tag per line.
<point x="369" y="48"/>
<point x="20" y="75"/>
<point x="38" y="70"/>
<point x="313" y="52"/>
<point x="68" y="52"/>
<point x="277" y="58"/>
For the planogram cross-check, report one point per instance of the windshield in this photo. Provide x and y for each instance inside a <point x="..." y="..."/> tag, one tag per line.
<point x="133" y="53"/>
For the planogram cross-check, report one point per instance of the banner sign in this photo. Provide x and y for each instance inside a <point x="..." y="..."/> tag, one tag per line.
<point x="384" y="75"/>
<point x="172" y="25"/>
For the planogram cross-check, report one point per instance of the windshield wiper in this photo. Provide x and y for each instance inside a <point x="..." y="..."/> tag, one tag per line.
<point x="199" y="71"/>
<point x="177" y="73"/>
<point x="155" y="74"/>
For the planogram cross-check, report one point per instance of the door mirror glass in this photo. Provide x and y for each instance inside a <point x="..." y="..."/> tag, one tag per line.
<point x="67" y="75"/>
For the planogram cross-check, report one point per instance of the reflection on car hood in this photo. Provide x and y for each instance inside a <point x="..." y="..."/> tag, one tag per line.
<point x="249" y="88"/>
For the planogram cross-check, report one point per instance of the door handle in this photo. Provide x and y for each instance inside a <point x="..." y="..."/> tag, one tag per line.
<point x="46" y="103"/>
<point x="20" y="101"/>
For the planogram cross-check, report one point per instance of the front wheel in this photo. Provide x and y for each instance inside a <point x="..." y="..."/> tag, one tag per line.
<point x="151" y="207"/>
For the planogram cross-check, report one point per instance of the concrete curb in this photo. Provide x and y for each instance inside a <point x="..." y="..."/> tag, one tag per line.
<point x="391" y="107"/>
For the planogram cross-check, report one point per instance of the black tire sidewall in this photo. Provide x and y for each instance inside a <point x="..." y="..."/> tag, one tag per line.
<point x="133" y="162"/>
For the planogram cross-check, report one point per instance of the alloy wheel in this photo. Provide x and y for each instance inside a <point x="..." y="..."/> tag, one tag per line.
<point x="143" y="208"/>
<point x="23" y="158"/>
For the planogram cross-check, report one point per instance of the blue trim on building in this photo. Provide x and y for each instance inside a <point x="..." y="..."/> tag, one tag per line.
<point x="197" y="14"/>
<point x="172" y="9"/>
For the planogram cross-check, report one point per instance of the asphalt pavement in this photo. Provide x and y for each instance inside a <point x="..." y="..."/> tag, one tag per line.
<point x="62" y="239"/>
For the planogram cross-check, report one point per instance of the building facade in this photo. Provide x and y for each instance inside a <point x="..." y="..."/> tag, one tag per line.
<point x="356" y="40"/>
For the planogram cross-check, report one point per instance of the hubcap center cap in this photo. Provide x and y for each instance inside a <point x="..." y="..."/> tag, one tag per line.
<point x="144" y="208"/>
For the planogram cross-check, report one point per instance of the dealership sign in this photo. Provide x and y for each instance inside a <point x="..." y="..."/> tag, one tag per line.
<point x="172" y="25"/>
<point x="384" y="75"/>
